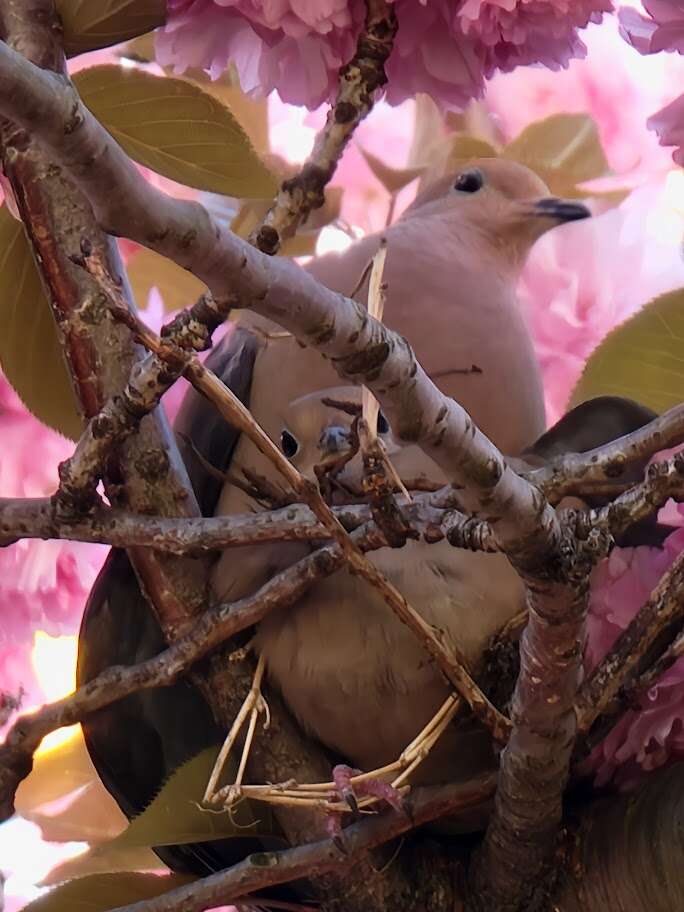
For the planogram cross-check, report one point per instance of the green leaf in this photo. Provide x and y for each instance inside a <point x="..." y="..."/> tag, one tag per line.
<point x="92" y="24"/>
<point x="30" y="353"/>
<point x="568" y="144"/>
<point x="136" y="859"/>
<point x="178" y="130"/>
<point x="106" y="891"/>
<point x="641" y="358"/>
<point x="55" y="773"/>
<point x="178" y="287"/>
<point x="174" y="817"/>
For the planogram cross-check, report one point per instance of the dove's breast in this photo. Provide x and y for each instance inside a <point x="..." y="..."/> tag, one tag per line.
<point x="354" y="675"/>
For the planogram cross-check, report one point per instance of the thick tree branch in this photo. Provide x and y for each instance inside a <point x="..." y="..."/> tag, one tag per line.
<point x="36" y="518"/>
<point x="359" y="81"/>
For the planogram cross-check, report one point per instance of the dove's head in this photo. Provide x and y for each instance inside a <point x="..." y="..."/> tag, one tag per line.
<point x="500" y="202"/>
<point x="318" y="431"/>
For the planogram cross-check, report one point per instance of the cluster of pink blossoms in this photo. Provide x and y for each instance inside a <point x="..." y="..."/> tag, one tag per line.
<point x="445" y="48"/>
<point x="662" y="30"/>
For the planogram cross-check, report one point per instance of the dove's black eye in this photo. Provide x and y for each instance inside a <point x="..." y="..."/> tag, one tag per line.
<point x="469" y="181"/>
<point x="383" y="424"/>
<point x="288" y="444"/>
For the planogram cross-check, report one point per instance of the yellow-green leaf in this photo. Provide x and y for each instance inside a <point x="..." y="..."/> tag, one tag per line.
<point x="392" y="179"/>
<point x="135" y="859"/>
<point x="56" y="772"/>
<point x="565" y="143"/>
<point x="251" y="112"/>
<point x="89" y="815"/>
<point x="178" y="287"/>
<point x="175" y="817"/>
<point x="30" y="353"/>
<point x="178" y="130"/>
<point x="101" y="892"/>
<point x="92" y="24"/>
<point x="642" y="358"/>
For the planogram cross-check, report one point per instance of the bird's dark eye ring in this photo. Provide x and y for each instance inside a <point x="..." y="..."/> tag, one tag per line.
<point x="288" y="444"/>
<point x="469" y="181"/>
<point x="382" y="424"/>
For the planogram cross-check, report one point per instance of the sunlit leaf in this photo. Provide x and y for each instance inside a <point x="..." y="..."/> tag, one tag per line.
<point x="135" y="859"/>
<point x="642" y="358"/>
<point x="92" y="24"/>
<point x="565" y="143"/>
<point x="178" y="130"/>
<point x="251" y="112"/>
<point x="428" y="131"/>
<point x="392" y="179"/>
<point x="178" y="287"/>
<point x="30" y="353"/>
<point x="55" y="773"/>
<point x="476" y="120"/>
<point x="91" y="815"/>
<point x="106" y="891"/>
<point x="175" y="817"/>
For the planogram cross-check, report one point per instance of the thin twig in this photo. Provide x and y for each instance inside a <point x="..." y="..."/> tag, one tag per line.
<point x="664" y="608"/>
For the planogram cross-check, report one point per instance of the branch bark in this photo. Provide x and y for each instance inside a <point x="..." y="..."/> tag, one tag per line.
<point x="36" y="518"/>
<point x="577" y="473"/>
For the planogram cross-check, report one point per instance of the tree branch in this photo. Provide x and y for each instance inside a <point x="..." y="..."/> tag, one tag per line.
<point x="35" y="518"/>
<point x="359" y="80"/>
<point x="339" y="854"/>
<point x="576" y="473"/>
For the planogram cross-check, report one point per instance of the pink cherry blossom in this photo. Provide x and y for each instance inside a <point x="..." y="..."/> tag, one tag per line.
<point x="444" y="48"/>
<point x="615" y="86"/>
<point x="653" y="733"/>
<point x="573" y="294"/>
<point x="43" y="585"/>
<point x="663" y="30"/>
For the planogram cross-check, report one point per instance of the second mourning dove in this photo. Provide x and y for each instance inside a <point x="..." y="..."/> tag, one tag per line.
<point x="342" y="660"/>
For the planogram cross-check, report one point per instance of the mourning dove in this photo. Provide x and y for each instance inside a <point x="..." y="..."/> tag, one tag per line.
<point x="452" y="263"/>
